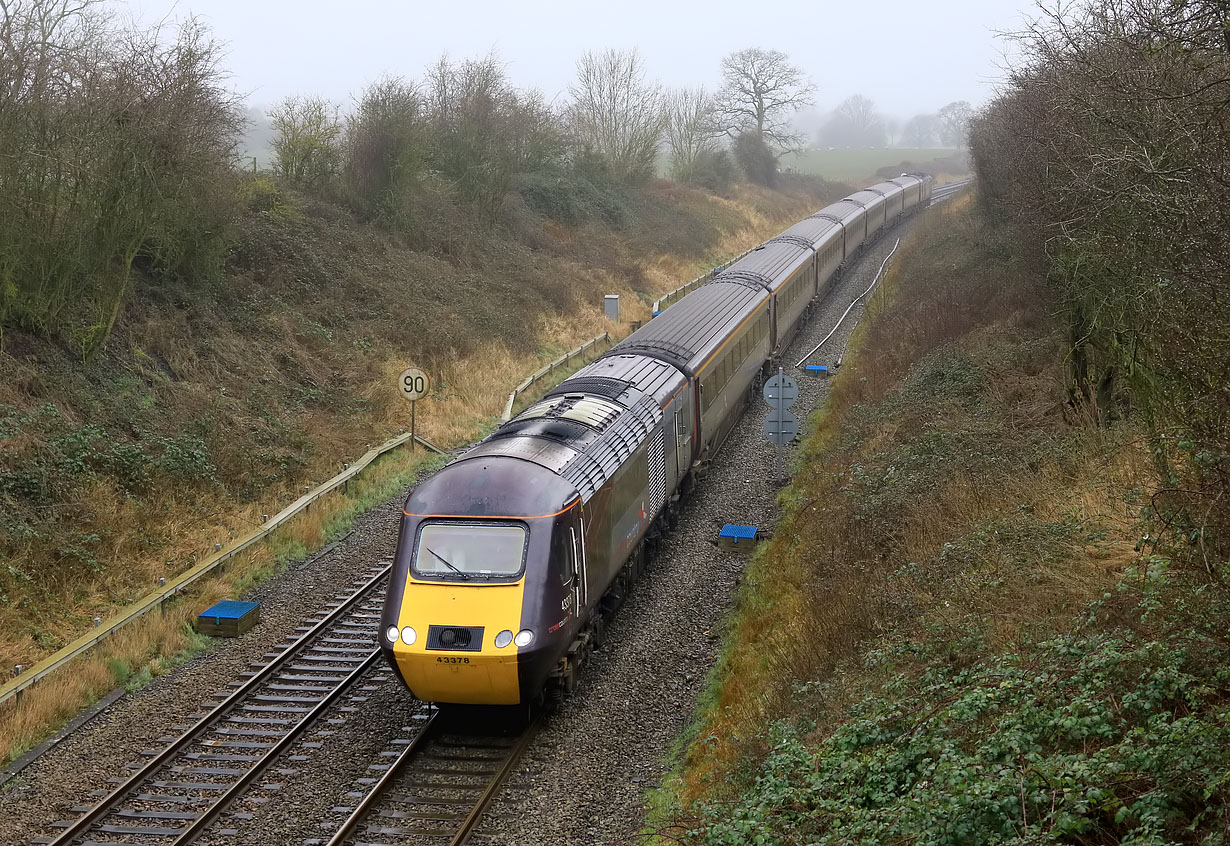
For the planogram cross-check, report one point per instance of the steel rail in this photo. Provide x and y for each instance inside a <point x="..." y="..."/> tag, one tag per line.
<point x="104" y="807"/>
<point x="497" y="781"/>
<point x="373" y="796"/>
<point x="198" y="826"/>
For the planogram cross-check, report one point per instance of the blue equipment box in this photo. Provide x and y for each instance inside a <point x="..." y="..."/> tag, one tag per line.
<point x="818" y="369"/>
<point x="228" y="618"/>
<point x="736" y="537"/>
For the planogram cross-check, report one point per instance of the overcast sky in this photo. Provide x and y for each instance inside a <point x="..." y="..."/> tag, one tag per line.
<point x="928" y="54"/>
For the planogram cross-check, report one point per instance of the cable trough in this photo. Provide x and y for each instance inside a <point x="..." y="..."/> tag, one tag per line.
<point x="181" y="791"/>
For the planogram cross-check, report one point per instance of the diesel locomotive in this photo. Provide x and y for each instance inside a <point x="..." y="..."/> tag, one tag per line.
<point x="508" y="558"/>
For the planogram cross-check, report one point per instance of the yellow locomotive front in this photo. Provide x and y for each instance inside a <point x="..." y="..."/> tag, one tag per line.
<point x="479" y="610"/>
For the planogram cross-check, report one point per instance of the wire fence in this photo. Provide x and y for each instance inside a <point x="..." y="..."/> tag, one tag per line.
<point x="563" y="361"/>
<point x="683" y="290"/>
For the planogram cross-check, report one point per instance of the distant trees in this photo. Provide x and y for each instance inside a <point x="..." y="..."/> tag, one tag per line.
<point x="922" y="130"/>
<point x="1108" y="150"/>
<point x="954" y="120"/>
<point x="761" y="89"/>
<point x="949" y="127"/>
<point x="616" y="113"/>
<point x="855" y="123"/>
<point x="118" y="149"/>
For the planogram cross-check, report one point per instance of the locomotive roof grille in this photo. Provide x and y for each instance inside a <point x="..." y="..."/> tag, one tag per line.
<point x="747" y="278"/>
<point x="551" y="428"/>
<point x="797" y="240"/>
<point x="594" y="412"/>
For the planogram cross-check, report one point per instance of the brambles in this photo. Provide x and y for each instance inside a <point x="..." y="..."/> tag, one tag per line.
<point x="1112" y="732"/>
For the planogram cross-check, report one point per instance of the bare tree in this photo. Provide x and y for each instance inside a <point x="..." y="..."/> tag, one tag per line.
<point x="954" y="122"/>
<point x="922" y="130"/>
<point x="760" y="90"/>
<point x="306" y="145"/>
<point x="691" y="130"/>
<point x="616" y="113"/>
<point x="892" y="130"/>
<point x="855" y="123"/>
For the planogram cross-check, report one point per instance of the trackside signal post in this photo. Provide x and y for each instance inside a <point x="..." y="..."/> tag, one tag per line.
<point x="781" y="426"/>
<point x="414" y="385"/>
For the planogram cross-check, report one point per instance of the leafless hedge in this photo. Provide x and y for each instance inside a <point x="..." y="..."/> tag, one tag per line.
<point x="1111" y="150"/>
<point x="118" y="149"/>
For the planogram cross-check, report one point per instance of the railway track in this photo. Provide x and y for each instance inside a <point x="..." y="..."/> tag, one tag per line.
<point x="438" y="787"/>
<point x="182" y="790"/>
<point x="945" y="192"/>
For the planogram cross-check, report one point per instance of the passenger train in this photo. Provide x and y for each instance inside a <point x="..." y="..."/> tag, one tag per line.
<point x="508" y="559"/>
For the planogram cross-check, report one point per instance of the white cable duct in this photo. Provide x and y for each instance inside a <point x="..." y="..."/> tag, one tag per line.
<point x="879" y="273"/>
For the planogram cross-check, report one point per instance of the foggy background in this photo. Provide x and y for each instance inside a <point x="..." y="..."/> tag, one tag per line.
<point x="941" y="54"/>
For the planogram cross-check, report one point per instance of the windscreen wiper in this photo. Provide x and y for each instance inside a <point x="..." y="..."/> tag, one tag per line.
<point x="449" y="564"/>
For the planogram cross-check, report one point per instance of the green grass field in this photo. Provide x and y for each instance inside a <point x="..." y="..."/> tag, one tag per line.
<point x="857" y="165"/>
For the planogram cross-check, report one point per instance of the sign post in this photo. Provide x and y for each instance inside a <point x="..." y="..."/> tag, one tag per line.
<point x="414" y="385"/>
<point x="781" y="426"/>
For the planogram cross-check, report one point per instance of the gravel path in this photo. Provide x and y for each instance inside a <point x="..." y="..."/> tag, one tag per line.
<point x="584" y="779"/>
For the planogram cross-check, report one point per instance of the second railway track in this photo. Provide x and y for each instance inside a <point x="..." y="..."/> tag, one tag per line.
<point x="438" y="787"/>
<point x="182" y="790"/>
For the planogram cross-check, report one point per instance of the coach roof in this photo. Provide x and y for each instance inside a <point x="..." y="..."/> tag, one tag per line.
<point x="693" y="325"/>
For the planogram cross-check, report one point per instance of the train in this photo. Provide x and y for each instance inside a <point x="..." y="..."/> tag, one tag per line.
<point x="509" y="559"/>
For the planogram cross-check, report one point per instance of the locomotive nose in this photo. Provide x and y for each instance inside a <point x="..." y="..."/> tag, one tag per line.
<point x="459" y="652"/>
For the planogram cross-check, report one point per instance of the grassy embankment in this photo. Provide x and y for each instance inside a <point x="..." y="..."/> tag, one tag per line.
<point x="856" y="165"/>
<point x="957" y="633"/>
<point x="210" y="407"/>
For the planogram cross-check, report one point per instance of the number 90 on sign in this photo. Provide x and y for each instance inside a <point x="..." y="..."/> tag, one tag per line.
<point x="413" y="384"/>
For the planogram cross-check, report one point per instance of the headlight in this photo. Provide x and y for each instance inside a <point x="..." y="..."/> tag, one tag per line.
<point x="503" y="639"/>
<point x="409" y="636"/>
<point x="391" y="634"/>
<point x="524" y="637"/>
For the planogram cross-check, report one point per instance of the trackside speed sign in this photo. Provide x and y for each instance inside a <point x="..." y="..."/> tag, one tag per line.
<point x="413" y="384"/>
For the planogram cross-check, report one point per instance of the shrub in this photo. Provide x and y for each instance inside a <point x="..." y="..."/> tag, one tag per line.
<point x="756" y="159"/>
<point x="714" y="170"/>
<point x="306" y="148"/>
